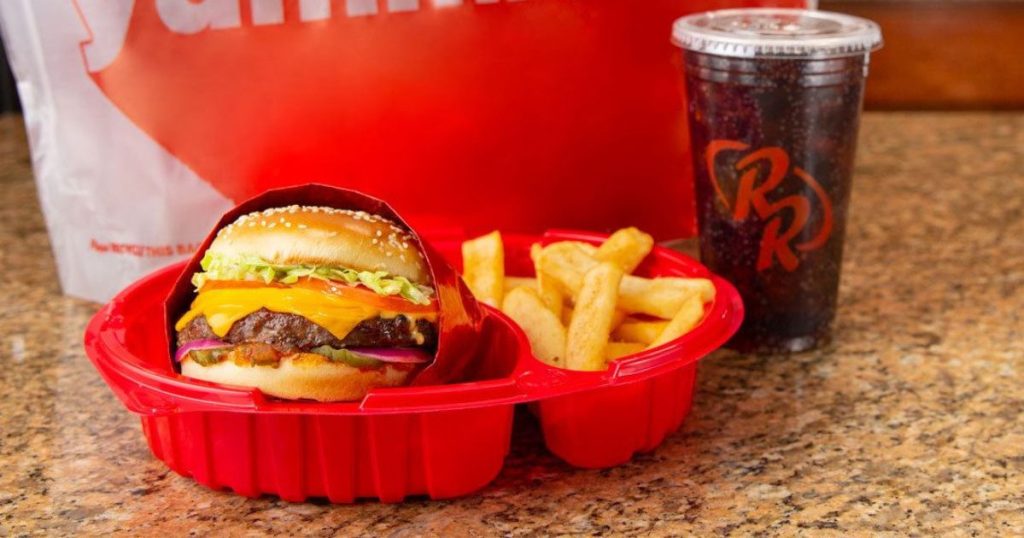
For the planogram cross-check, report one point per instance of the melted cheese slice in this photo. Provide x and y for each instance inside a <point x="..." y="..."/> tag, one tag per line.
<point x="339" y="315"/>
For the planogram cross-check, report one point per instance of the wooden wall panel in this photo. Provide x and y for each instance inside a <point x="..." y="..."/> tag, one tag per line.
<point x="941" y="55"/>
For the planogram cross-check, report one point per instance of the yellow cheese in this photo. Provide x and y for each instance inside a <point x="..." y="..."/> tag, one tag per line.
<point x="223" y="307"/>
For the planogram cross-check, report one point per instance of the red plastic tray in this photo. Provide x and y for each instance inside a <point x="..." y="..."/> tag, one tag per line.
<point x="441" y="441"/>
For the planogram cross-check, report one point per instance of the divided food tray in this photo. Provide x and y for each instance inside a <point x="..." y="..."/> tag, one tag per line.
<point x="440" y="441"/>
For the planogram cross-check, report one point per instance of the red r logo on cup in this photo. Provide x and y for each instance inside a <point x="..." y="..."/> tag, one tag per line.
<point x="773" y="164"/>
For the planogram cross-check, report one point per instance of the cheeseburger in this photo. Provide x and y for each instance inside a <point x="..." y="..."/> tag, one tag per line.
<point x="308" y="302"/>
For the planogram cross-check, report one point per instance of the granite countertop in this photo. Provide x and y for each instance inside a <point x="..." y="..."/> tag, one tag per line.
<point x="911" y="421"/>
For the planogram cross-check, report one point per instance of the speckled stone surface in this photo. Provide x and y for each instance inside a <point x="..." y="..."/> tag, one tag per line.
<point x="911" y="422"/>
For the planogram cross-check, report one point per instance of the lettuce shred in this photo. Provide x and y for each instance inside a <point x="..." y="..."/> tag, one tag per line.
<point x="222" y="267"/>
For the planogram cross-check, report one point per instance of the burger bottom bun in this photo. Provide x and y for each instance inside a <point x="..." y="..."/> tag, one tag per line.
<point x="302" y="377"/>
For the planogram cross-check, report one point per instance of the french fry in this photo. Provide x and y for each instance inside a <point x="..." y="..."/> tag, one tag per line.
<point x="565" y="263"/>
<point x="513" y="282"/>
<point x="483" y="261"/>
<point x="550" y="294"/>
<point x="567" y="315"/>
<point x="662" y="297"/>
<point x="535" y="251"/>
<point x="617" y="318"/>
<point x="625" y="248"/>
<point x="587" y="248"/>
<point x="684" y="321"/>
<point x="549" y="291"/>
<point x="592" y="318"/>
<point x="639" y="331"/>
<point x="617" y="350"/>
<point x="543" y="329"/>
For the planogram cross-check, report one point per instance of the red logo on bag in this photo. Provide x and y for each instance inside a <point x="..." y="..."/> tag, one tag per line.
<point x="760" y="173"/>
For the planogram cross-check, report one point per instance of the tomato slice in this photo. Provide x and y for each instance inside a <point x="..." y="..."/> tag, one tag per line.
<point x="387" y="303"/>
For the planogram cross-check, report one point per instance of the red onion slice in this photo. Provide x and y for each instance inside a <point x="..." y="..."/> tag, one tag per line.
<point x="394" y="355"/>
<point x="198" y="344"/>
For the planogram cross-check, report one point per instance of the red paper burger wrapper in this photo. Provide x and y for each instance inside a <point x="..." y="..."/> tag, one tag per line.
<point x="460" y="318"/>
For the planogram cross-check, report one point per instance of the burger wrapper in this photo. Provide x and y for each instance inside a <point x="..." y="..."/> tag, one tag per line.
<point x="460" y="320"/>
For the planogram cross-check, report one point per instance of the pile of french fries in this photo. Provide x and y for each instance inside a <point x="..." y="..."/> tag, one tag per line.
<point x="584" y="307"/>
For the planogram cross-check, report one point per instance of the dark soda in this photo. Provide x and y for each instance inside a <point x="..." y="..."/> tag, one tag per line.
<point x="773" y="140"/>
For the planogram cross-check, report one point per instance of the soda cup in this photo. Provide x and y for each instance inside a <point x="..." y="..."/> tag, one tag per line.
<point x="775" y="97"/>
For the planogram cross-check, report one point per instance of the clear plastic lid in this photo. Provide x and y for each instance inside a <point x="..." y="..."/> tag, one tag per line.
<point x="776" y="33"/>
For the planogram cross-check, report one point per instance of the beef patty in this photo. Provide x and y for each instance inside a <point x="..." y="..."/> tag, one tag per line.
<point x="294" y="332"/>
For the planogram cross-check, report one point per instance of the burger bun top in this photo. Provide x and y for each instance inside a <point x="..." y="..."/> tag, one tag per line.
<point x="323" y="236"/>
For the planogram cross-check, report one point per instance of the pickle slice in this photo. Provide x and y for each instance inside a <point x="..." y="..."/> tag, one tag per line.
<point x="348" y="357"/>
<point x="207" y="357"/>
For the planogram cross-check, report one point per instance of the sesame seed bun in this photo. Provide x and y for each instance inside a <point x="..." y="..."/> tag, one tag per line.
<point x="312" y="235"/>
<point x="303" y="376"/>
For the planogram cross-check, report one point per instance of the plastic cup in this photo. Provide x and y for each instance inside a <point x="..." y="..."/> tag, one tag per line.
<point x="775" y="97"/>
